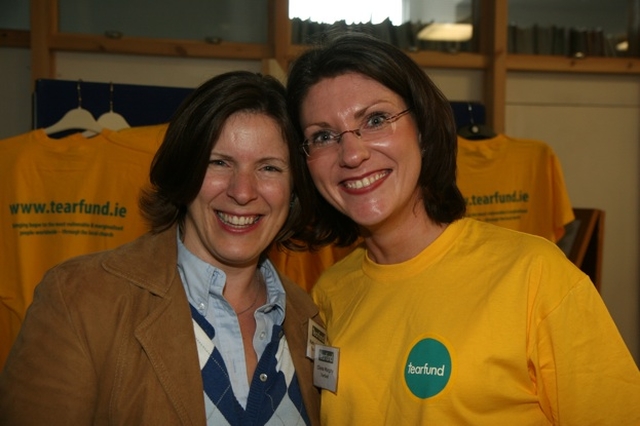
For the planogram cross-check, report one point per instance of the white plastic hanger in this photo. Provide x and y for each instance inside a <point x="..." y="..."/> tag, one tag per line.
<point x="75" y="119"/>
<point x="112" y="120"/>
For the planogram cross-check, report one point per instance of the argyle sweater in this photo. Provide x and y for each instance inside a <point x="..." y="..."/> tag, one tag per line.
<point x="274" y="395"/>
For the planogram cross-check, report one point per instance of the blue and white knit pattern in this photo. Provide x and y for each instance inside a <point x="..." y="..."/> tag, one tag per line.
<point x="274" y="397"/>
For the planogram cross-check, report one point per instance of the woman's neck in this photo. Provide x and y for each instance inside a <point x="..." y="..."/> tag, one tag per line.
<point x="390" y="246"/>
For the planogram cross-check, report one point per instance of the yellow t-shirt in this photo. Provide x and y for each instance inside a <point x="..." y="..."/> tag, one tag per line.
<point x="486" y="326"/>
<point x="61" y="198"/>
<point x="514" y="183"/>
<point x="142" y="138"/>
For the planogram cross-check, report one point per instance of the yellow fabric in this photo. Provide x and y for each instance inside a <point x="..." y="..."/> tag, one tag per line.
<point x="61" y="198"/>
<point x="486" y="326"/>
<point x="305" y="267"/>
<point x="514" y="183"/>
<point x="143" y="138"/>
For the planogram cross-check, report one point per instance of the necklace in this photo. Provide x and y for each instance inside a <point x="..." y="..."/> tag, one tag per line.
<point x="255" y="299"/>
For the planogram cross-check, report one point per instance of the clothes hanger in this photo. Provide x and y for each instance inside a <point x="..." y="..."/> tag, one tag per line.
<point x="112" y="120"/>
<point x="475" y="131"/>
<point x="75" y="119"/>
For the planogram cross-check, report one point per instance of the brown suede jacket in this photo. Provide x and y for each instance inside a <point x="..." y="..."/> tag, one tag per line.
<point x="109" y="340"/>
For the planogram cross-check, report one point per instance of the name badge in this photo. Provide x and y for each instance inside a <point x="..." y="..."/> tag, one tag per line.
<point x="325" y="367"/>
<point x="316" y="335"/>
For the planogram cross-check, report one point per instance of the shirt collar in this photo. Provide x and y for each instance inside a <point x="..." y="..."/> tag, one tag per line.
<point x="201" y="279"/>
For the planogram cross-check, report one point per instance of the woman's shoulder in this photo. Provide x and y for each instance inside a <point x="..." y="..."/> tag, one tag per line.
<point x="141" y="262"/>
<point x="501" y="247"/>
<point x="332" y="278"/>
<point x="495" y="235"/>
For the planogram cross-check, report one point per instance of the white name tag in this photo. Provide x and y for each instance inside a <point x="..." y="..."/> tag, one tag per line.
<point x="325" y="367"/>
<point x="316" y="335"/>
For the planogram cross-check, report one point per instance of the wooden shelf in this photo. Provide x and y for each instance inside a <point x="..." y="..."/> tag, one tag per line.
<point x="426" y="58"/>
<point x="573" y="65"/>
<point x="431" y="59"/>
<point x="159" y="47"/>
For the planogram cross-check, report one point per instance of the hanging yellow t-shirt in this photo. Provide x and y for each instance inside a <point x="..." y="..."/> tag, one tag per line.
<point x="61" y="198"/>
<point x="143" y="138"/>
<point x="514" y="183"/>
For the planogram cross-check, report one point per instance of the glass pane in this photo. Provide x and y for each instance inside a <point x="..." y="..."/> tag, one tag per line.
<point x="569" y="27"/>
<point x="444" y="25"/>
<point x="14" y="15"/>
<point x="244" y="21"/>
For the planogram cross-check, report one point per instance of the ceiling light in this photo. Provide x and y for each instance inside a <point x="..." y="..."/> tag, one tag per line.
<point x="446" y="32"/>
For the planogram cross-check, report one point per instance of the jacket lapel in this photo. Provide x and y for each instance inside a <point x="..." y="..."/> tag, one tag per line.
<point x="167" y="337"/>
<point x="296" y="323"/>
<point x="166" y="334"/>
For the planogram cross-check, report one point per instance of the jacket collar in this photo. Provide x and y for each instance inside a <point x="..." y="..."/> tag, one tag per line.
<point x="148" y="262"/>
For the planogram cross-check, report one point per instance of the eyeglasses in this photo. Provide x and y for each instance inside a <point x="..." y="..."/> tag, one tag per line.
<point x="373" y="127"/>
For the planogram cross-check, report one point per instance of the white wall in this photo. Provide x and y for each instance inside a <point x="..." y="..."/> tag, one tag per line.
<point x="146" y="70"/>
<point x="15" y="91"/>
<point x="591" y="121"/>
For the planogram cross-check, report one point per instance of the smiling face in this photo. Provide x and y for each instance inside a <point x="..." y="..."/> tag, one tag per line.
<point x="244" y="198"/>
<point x="373" y="182"/>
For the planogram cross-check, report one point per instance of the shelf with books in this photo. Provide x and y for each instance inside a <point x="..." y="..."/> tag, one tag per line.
<point x="412" y="35"/>
<point x="573" y="36"/>
<point x="435" y="33"/>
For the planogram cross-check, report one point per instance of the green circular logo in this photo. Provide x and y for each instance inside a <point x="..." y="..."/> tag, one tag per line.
<point x="428" y="368"/>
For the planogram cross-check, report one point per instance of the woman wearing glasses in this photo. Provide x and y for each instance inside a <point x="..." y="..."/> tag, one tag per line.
<point x="438" y="319"/>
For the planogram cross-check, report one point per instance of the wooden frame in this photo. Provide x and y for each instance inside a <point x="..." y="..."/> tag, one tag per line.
<point x="586" y="248"/>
